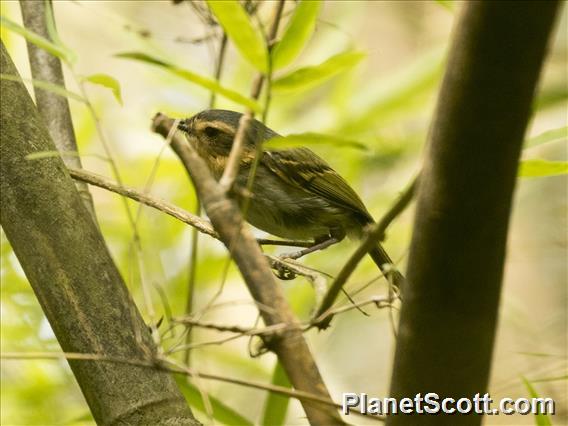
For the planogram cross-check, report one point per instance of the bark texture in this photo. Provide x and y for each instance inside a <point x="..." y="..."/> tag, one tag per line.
<point x="54" y="109"/>
<point x="449" y="315"/>
<point x="290" y="346"/>
<point x="73" y="276"/>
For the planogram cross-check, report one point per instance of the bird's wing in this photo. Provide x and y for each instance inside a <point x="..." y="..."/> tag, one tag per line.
<point x="302" y="168"/>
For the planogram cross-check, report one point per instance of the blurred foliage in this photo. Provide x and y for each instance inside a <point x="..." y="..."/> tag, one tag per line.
<point x="363" y="74"/>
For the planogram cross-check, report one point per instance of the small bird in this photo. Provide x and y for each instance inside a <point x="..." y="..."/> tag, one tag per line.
<point x="296" y="195"/>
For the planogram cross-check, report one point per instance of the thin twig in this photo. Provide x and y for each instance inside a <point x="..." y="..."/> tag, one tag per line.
<point x="192" y="269"/>
<point x="245" y="331"/>
<point x="180" y="214"/>
<point x="317" y="280"/>
<point x="224" y="213"/>
<point x="233" y="162"/>
<point x="380" y="302"/>
<point x="400" y="205"/>
<point x="168" y="208"/>
<point x="162" y="364"/>
<point x="284" y="243"/>
<point x="141" y="265"/>
<point x="53" y="108"/>
<point x="374" y="234"/>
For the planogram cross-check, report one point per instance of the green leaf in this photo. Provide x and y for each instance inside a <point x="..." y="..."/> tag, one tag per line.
<point x="50" y="24"/>
<point x="542" y="168"/>
<point x="297" y="33"/>
<point x="106" y="81"/>
<point x="221" y="412"/>
<point x="239" y="28"/>
<point x="540" y="419"/>
<point x="310" y="76"/>
<point x="311" y="138"/>
<point x="56" y="50"/>
<point x="200" y="80"/>
<point x="45" y="85"/>
<point x="551" y="96"/>
<point x="276" y="406"/>
<point x="546" y="137"/>
<point x="396" y="94"/>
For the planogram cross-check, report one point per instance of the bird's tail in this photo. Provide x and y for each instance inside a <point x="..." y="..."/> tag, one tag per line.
<point x="386" y="265"/>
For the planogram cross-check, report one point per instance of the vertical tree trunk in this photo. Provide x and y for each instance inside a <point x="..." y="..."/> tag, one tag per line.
<point x="73" y="276"/>
<point x="448" y="318"/>
<point x="54" y="109"/>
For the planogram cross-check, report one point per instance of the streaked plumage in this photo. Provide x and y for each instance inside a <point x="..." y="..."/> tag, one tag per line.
<point x="296" y="194"/>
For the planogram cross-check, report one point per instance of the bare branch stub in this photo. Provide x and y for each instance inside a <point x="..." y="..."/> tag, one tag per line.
<point x="225" y="215"/>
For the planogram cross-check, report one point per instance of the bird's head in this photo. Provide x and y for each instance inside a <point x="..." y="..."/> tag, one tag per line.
<point x="212" y="131"/>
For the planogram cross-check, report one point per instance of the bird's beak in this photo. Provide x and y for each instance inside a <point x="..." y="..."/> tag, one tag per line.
<point x="184" y="125"/>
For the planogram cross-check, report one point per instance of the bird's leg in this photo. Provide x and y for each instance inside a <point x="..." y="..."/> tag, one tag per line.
<point x="286" y="243"/>
<point x="320" y="243"/>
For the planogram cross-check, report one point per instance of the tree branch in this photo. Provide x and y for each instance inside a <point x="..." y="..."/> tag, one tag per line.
<point x="165" y="364"/>
<point x="184" y="216"/>
<point x="54" y="109"/>
<point x="449" y="315"/>
<point x="233" y="162"/>
<point x="72" y="274"/>
<point x="226" y="217"/>
<point x="196" y="222"/>
<point x="374" y="234"/>
<point x="192" y="269"/>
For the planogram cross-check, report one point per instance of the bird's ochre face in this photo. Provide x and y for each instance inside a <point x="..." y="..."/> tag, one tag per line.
<point x="212" y="132"/>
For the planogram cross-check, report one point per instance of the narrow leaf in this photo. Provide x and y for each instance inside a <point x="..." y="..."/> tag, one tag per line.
<point x="297" y="33"/>
<point x="41" y="155"/>
<point x="239" y="28"/>
<point x="548" y="136"/>
<point x="108" y="82"/>
<point x="310" y="76"/>
<point x="397" y="94"/>
<point x="45" y="85"/>
<point x="221" y="412"/>
<point x="50" y="24"/>
<point x="551" y="96"/>
<point x="198" y="79"/>
<point x="540" y="419"/>
<point x="542" y="168"/>
<point x="56" y="50"/>
<point x="276" y="405"/>
<point x="310" y="138"/>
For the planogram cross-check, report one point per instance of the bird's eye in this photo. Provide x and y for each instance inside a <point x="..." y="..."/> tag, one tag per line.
<point x="211" y="131"/>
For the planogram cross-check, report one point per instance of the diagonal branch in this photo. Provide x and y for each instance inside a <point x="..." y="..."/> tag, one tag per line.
<point x="195" y="221"/>
<point x="54" y="109"/>
<point x="375" y="233"/>
<point x="166" y="364"/>
<point x="72" y="273"/>
<point x="291" y="347"/>
<point x="232" y="167"/>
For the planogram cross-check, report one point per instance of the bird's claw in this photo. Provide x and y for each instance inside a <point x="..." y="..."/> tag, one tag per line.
<point x="283" y="272"/>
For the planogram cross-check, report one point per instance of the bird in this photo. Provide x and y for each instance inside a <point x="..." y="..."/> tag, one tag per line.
<point x="296" y="195"/>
